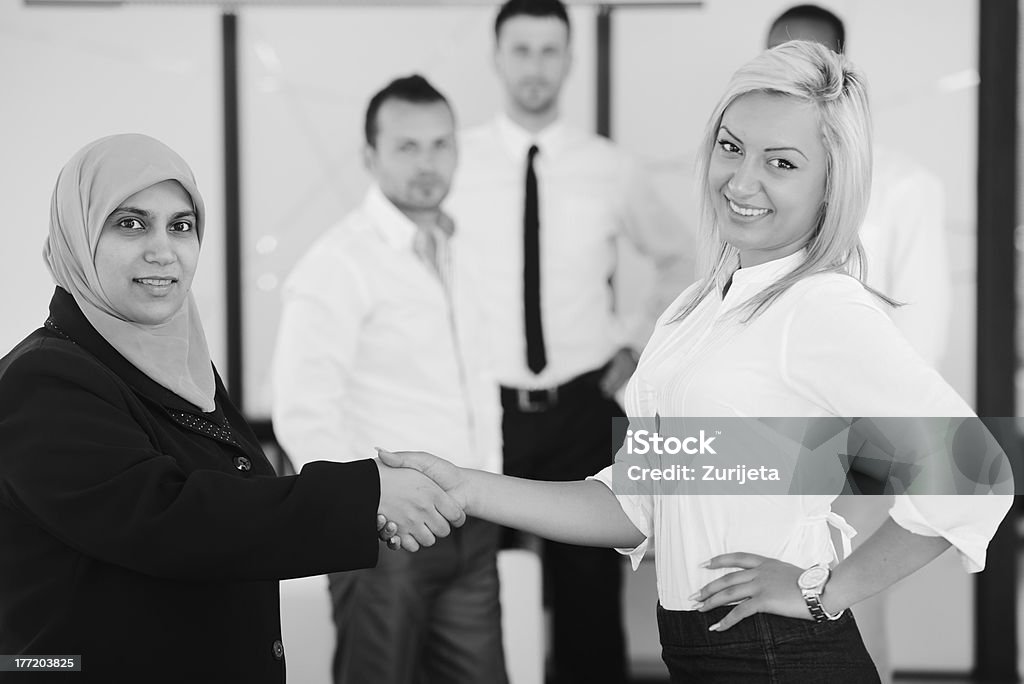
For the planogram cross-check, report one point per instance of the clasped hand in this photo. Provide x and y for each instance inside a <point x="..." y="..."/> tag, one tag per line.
<point x="420" y="499"/>
<point x="759" y="585"/>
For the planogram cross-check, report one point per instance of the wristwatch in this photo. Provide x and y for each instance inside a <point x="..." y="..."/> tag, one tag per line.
<point x="812" y="583"/>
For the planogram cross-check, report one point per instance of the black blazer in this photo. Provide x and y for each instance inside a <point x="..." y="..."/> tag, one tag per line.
<point x="131" y="532"/>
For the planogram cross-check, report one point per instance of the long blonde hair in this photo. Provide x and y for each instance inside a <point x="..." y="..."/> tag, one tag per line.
<point x="810" y="73"/>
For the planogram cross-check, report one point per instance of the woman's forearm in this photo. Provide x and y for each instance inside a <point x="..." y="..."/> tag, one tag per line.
<point x="886" y="557"/>
<point x="584" y="512"/>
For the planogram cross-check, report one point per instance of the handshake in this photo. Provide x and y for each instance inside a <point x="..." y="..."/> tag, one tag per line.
<point x="421" y="498"/>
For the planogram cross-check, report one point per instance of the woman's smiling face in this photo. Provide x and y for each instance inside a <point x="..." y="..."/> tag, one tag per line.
<point x="767" y="173"/>
<point x="147" y="253"/>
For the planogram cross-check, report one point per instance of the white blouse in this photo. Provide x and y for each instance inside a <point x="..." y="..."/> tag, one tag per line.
<point x="826" y="347"/>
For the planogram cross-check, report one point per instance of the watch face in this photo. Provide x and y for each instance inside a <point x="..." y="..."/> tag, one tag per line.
<point x="813" y="578"/>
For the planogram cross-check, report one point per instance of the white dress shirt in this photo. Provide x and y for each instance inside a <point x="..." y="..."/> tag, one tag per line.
<point x="824" y="348"/>
<point x="591" y="194"/>
<point x="375" y="349"/>
<point x="904" y="235"/>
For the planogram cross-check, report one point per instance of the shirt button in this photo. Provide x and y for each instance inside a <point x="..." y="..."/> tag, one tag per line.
<point x="278" y="649"/>
<point x="243" y="464"/>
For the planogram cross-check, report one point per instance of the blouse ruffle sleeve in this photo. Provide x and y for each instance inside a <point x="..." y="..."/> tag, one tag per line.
<point x="966" y="522"/>
<point x="640" y="511"/>
<point x="843" y="352"/>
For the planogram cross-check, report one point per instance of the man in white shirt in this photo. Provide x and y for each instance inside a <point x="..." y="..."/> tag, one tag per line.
<point x="540" y="207"/>
<point x="378" y="347"/>
<point x="904" y="238"/>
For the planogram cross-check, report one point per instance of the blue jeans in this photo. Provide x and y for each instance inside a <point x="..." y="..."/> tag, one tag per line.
<point x="763" y="648"/>
<point x="430" y="617"/>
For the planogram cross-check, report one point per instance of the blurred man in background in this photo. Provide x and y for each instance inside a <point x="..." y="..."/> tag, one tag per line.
<point x="379" y="346"/>
<point x="904" y="233"/>
<point x="541" y="206"/>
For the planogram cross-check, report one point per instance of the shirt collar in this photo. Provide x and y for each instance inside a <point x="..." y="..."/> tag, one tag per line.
<point x="395" y="227"/>
<point x="748" y="282"/>
<point x="517" y="140"/>
<point x="770" y="271"/>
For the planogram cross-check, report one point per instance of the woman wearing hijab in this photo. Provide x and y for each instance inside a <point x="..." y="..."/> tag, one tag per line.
<point x="781" y="325"/>
<point x="142" y="527"/>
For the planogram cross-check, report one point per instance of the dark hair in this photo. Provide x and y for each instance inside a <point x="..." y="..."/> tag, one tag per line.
<point x="412" y="88"/>
<point x="531" y="8"/>
<point x="815" y="13"/>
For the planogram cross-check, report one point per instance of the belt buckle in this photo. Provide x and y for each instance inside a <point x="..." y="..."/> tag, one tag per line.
<point x="528" y="404"/>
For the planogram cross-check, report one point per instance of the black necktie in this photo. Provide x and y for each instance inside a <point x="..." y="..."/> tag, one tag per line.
<point x="536" y="359"/>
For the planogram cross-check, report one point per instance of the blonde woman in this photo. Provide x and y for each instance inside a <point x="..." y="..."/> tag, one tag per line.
<point x="780" y="324"/>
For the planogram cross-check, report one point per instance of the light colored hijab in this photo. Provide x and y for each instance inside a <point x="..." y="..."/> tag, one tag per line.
<point x="89" y="188"/>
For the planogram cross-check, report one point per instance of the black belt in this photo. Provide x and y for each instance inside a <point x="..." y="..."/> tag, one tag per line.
<point x="545" y="399"/>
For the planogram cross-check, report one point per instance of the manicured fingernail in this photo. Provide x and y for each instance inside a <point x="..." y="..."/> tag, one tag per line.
<point x="694" y="596"/>
<point x="700" y="605"/>
<point x="706" y="564"/>
<point x="714" y="627"/>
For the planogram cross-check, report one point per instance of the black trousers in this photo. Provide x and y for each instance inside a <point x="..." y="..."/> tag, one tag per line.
<point x="569" y="441"/>
<point x="763" y="648"/>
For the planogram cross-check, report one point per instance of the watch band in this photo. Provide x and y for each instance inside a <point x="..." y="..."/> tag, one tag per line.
<point x="811" y="584"/>
<point x="813" y="601"/>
